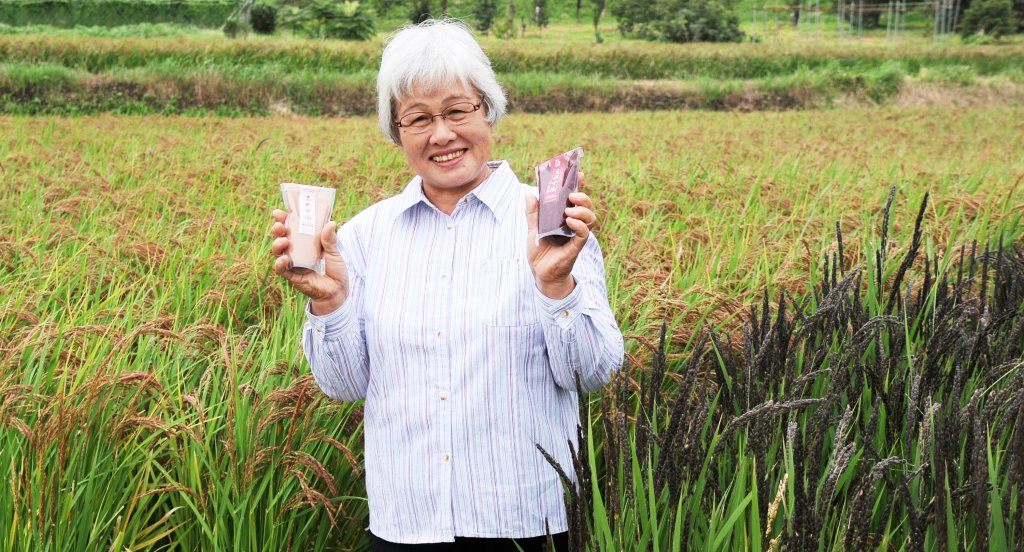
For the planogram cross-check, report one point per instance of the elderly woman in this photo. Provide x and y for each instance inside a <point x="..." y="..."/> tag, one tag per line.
<point x="462" y="332"/>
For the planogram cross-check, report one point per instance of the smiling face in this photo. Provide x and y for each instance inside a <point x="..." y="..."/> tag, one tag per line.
<point x="451" y="159"/>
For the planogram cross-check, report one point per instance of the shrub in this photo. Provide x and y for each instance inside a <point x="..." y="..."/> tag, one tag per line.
<point x="233" y="28"/>
<point x="886" y="81"/>
<point x="981" y="40"/>
<point x="694" y="21"/>
<point x="989" y="17"/>
<point x="630" y="13"/>
<point x="263" y="18"/>
<point x="344" y="20"/>
<point x="504" y="28"/>
<point x="679" y="20"/>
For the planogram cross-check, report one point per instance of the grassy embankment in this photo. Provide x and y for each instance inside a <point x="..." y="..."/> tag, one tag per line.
<point x="154" y="392"/>
<point x="76" y="75"/>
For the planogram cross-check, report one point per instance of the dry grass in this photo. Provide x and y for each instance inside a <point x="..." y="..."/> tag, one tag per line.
<point x="918" y="95"/>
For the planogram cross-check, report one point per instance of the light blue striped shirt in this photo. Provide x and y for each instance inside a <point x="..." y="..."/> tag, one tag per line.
<point x="463" y="363"/>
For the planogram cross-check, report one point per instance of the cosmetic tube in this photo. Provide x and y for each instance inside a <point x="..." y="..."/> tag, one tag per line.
<point x="309" y="209"/>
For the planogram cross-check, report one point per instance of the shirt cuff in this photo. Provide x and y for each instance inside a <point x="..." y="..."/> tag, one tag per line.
<point x="563" y="312"/>
<point x="331" y="323"/>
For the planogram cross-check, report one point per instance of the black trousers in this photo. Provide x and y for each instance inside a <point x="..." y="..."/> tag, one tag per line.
<point x="469" y="544"/>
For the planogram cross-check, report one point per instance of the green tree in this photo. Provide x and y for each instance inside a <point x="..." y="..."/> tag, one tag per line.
<point x="384" y="7"/>
<point x="345" y="20"/>
<point x="990" y="17"/>
<point x="630" y="13"/>
<point x="419" y="11"/>
<point x="540" y="13"/>
<point x="484" y="12"/>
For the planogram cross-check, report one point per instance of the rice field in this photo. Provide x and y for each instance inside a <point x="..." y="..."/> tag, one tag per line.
<point x="153" y="394"/>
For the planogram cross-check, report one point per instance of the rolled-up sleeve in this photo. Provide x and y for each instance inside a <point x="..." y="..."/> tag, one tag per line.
<point x="335" y="343"/>
<point x="580" y="331"/>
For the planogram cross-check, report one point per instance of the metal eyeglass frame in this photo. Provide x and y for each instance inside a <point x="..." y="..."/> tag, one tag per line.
<point x="442" y="114"/>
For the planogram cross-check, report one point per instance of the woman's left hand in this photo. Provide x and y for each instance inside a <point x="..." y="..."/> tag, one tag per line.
<point x="552" y="260"/>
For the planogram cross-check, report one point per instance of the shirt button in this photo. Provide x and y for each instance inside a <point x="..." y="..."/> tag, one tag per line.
<point x="440" y="334"/>
<point x="450" y="226"/>
<point x="444" y="397"/>
<point x="445" y="457"/>
<point x="565" y="313"/>
<point x="444" y="277"/>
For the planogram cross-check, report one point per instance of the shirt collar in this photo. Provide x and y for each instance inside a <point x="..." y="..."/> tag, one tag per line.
<point x="496" y="191"/>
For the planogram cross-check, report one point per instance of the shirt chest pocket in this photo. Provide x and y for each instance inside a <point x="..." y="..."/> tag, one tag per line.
<point x="504" y="292"/>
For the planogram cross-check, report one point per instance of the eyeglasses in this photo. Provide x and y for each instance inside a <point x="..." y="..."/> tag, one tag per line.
<point x="455" y="114"/>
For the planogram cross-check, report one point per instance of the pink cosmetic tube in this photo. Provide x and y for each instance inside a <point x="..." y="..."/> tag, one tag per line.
<point x="309" y="208"/>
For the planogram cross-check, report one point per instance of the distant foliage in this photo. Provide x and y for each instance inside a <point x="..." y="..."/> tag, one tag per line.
<point x="343" y="20"/>
<point x="234" y="28"/>
<point x="263" y="18"/>
<point x="598" y="11"/>
<point x="138" y="30"/>
<point x="383" y="7"/>
<point x="504" y="28"/>
<point x="989" y="17"/>
<point x="420" y="11"/>
<point x="540" y="13"/>
<point x="700" y="21"/>
<point x="630" y="13"/>
<point x="678" y="20"/>
<point x="484" y="12"/>
<point x="112" y="13"/>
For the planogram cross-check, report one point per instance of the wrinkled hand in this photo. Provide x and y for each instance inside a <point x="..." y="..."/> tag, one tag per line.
<point x="327" y="291"/>
<point x="552" y="259"/>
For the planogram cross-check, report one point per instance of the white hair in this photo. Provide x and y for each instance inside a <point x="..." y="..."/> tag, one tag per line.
<point x="432" y="54"/>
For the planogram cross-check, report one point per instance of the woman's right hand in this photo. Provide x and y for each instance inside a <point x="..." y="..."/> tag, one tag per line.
<point x="327" y="291"/>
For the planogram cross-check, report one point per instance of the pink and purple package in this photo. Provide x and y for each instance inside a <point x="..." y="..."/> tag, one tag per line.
<point x="556" y="179"/>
